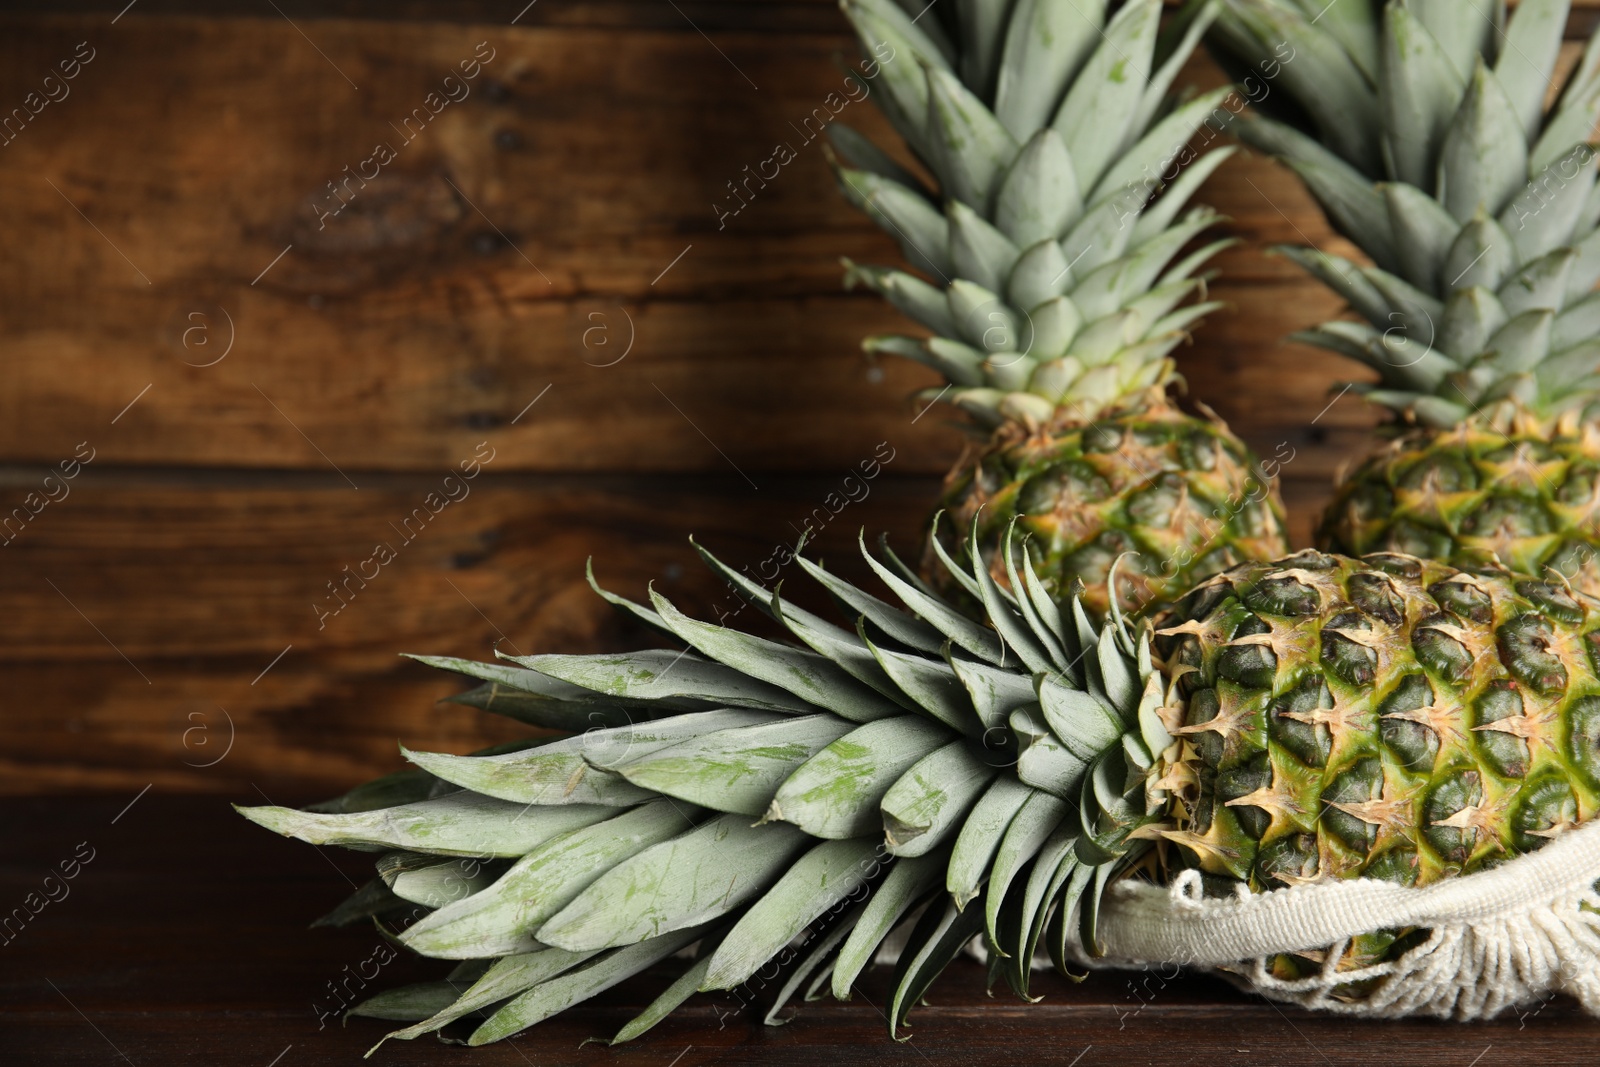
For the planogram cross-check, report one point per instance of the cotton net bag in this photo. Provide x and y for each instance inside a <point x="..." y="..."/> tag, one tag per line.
<point x="1509" y="936"/>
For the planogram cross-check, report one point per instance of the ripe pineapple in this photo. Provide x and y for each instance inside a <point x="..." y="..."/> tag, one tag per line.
<point x="1424" y="131"/>
<point x="790" y="804"/>
<point x="1054" y="286"/>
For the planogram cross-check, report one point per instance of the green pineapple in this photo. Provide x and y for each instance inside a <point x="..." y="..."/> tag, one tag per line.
<point x="788" y="805"/>
<point x="1424" y="130"/>
<point x="1052" y="277"/>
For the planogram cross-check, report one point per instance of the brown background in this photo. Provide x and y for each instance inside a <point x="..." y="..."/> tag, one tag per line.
<point x="483" y="269"/>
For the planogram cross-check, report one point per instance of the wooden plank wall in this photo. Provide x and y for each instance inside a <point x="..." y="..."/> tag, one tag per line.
<point x="253" y="392"/>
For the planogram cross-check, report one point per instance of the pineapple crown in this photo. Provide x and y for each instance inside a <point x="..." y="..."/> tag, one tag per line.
<point x="1421" y="126"/>
<point x="1049" y="275"/>
<point x="1008" y="758"/>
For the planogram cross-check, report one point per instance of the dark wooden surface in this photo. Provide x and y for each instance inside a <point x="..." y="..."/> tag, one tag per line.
<point x="183" y="942"/>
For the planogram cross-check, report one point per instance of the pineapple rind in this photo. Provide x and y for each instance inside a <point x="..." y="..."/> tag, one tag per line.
<point x="1181" y="493"/>
<point x="1525" y="494"/>
<point x="1385" y="717"/>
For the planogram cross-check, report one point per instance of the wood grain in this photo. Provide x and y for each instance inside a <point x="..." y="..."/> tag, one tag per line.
<point x="524" y="239"/>
<point x="137" y="613"/>
<point x="184" y="942"/>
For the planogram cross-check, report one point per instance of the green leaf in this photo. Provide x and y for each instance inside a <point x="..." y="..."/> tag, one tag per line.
<point x="695" y="877"/>
<point x="657" y="673"/>
<point x="1322" y="78"/>
<point x="1483" y="255"/>
<point x="1464" y="31"/>
<point x="826" y="876"/>
<point x="1046" y="42"/>
<point x="902" y="627"/>
<point x="925" y="39"/>
<point x="982" y="25"/>
<point x="975" y="638"/>
<point x="1041" y="274"/>
<point x="1006" y="619"/>
<point x="1416" y="313"/>
<point x="846" y="649"/>
<point x="925" y="805"/>
<point x="434" y="881"/>
<point x="596" y="976"/>
<point x="573" y="770"/>
<point x="1483" y="161"/>
<point x="978" y="251"/>
<point x="1106" y="230"/>
<point x="1033" y="824"/>
<point x="937" y="939"/>
<point x="1056" y="323"/>
<point x="980" y="836"/>
<point x="971" y="150"/>
<point x="1176" y="195"/>
<point x="1521" y="344"/>
<point x="1542" y="284"/>
<point x="1095" y="117"/>
<point x="506" y="978"/>
<point x="1033" y="902"/>
<point x="1543" y="216"/>
<point x="372" y="899"/>
<point x="995" y="693"/>
<point x="859" y="151"/>
<point x="568" y="716"/>
<point x="406" y="1004"/>
<point x="1578" y="323"/>
<point x="736" y="770"/>
<point x="932" y="685"/>
<point x="1421" y="91"/>
<point x="909" y="294"/>
<point x="401" y="787"/>
<point x="1571" y="371"/>
<point x="1039" y="196"/>
<point x="1344" y="278"/>
<point x="1586" y="271"/>
<point x="957" y="362"/>
<point x="503" y="919"/>
<point x="886" y="30"/>
<point x="1151" y="728"/>
<point x="824" y="947"/>
<point x="1174" y="47"/>
<point x="1084" y="725"/>
<point x="1156" y="154"/>
<point x="1528" y="57"/>
<point x="836" y="793"/>
<point x="458" y="824"/>
<point x="1424" y="233"/>
<point x="1353" y="204"/>
<point x="814" y="679"/>
<point x="1569" y="126"/>
<point x="1118" y="283"/>
<point x="682" y="988"/>
<point x="1043" y="761"/>
<point x="904" y="215"/>
<point x="1044" y="626"/>
<point x="909" y="881"/>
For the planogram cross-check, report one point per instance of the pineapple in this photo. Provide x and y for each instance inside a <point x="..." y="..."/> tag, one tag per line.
<point x="788" y="805"/>
<point x="1055" y="286"/>
<point x="1425" y="131"/>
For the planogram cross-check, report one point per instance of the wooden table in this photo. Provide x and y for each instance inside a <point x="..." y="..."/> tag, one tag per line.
<point x="183" y="941"/>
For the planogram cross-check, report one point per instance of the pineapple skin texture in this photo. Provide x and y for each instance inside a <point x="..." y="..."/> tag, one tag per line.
<point x="1386" y="718"/>
<point x="1522" y="491"/>
<point x="1182" y="493"/>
